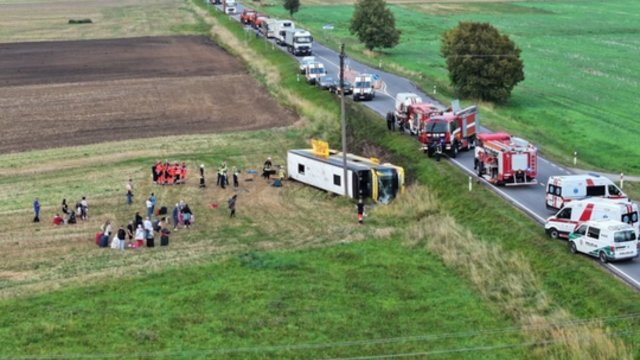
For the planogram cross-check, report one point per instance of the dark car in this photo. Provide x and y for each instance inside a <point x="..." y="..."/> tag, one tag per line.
<point x="325" y="82"/>
<point x="348" y="89"/>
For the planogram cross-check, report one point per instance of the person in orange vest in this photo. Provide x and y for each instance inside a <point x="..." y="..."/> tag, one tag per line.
<point x="170" y="175"/>
<point x="176" y="173"/>
<point x="157" y="171"/>
<point x="183" y="169"/>
<point x="165" y="170"/>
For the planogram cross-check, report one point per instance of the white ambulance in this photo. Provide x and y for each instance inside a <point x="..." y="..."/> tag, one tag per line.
<point x="575" y="212"/>
<point x="563" y="189"/>
<point x="607" y="240"/>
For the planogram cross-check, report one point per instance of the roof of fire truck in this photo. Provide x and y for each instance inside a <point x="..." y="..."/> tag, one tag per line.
<point x="504" y="142"/>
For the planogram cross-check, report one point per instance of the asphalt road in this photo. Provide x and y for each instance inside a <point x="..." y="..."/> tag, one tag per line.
<point x="529" y="199"/>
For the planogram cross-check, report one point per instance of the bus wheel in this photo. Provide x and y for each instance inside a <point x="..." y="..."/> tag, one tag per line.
<point x="554" y="234"/>
<point x="603" y="257"/>
<point x="572" y="247"/>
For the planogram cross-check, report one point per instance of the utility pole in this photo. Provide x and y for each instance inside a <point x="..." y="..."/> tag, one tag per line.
<point x="343" y="121"/>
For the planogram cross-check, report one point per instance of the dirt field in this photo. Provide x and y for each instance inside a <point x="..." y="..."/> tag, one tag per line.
<point x="83" y="92"/>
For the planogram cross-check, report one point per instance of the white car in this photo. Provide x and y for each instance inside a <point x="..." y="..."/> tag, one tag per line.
<point x="607" y="240"/>
<point x="306" y="61"/>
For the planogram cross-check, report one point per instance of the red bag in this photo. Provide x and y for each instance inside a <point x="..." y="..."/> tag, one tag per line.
<point x="98" y="236"/>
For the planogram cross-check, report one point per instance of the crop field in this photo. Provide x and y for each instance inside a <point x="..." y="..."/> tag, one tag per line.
<point x="125" y="89"/>
<point x="47" y="20"/>
<point x="581" y="74"/>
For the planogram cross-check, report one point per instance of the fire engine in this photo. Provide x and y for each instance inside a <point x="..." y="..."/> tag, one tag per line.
<point x="450" y="131"/>
<point x="506" y="160"/>
<point x="410" y="112"/>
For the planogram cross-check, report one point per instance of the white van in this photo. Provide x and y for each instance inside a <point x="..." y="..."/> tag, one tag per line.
<point x="575" y="212"/>
<point x="314" y="71"/>
<point x="607" y="240"/>
<point x="563" y="189"/>
<point x="363" y="87"/>
<point x="230" y="6"/>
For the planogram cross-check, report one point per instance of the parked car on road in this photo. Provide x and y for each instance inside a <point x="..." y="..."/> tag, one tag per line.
<point x="348" y="88"/>
<point x="325" y="82"/>
<point x="306" y="61"/>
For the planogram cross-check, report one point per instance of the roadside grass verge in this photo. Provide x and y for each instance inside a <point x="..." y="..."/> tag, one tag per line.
<point x="47" y="20"/>
<point x="502" y="252"/>
<point x="579" y="83"/>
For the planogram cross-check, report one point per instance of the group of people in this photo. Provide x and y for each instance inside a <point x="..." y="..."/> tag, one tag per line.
<point x="169" y="174"/>
<point x="268" y="170"/>
<point x="141" y="231"/>
<point x="69" y="215"/>
<point x="223" y="176"/>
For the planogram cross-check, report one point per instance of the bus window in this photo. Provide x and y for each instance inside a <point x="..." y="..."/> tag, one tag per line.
<point x="593" y="233"/>
<point x="596" y="190"/>
<point x="387" y="185"/>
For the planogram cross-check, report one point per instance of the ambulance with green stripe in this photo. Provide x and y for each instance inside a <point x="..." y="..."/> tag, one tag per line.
<point x="575" y="212"/>
<point x="608" y="240"/>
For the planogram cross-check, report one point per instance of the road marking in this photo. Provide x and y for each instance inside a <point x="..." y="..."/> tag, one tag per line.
<point x="542" y="184"/>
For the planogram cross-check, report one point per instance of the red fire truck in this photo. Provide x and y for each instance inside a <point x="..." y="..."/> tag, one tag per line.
<point x="450" y="132"/>
<point x="506" y="160"/>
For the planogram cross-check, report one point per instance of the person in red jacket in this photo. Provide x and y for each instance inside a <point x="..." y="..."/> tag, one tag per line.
<point x="58" y="220"/>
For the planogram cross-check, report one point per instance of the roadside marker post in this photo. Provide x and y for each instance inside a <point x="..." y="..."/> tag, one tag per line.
<point x="575" y="158"/>
<point x="621" y="181"/>
<point x="470" y="183"/>
<point x="298" y="77"/>
<point x="434" y="89"/>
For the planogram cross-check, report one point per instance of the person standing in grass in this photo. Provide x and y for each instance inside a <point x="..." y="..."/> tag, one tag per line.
<point x="129" y="188"/>
<point x="84" y="205"/>
<point x="139" y="237"/>
<point x="236" y="174"/>
<point x="360" y="207"/>
<point x="36" y="210"/>
<point x="149" y="205"/>
<point x="232" y="205"/>
<point x="202" y="184"/>
<point x="154" y="201"/>
<point x="175" y="216"/>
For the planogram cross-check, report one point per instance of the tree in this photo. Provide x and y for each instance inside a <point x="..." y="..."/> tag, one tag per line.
<point x="482" y="63"/>
<point x="374" y="24"/>
<point x="292" y="6"/>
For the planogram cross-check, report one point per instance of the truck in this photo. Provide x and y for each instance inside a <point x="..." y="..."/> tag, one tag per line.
<point x="563" y="189"/>
<point x="260" y="24"/>
<point x="576" y="212"/>
<point x="298" y="42"/>
<point x="607" y="240"/>
<point x="313" y="71"/>
<point x="366" y="178"/>
<point x="246" y="15"/>
<point x="503" y="159"/>
<point x="279" y="29"/>
<point x="268" y="27"/>
<point x="363" y="87"/>
<point x="230" y="6"/>
<point x="410" y="112"/>
<point x="450" y="132"/>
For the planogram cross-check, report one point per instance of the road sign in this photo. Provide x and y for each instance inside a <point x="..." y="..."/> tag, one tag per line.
<point x="376" y="77"/>
<point x="327" y="27"/>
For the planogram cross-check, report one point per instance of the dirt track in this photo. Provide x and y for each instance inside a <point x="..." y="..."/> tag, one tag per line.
<point x="81" y="92"/>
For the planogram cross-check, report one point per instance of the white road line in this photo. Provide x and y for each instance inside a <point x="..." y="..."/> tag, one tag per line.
<point x="628" y="277"/>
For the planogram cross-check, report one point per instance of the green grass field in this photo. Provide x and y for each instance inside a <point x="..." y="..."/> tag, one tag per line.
<point x="48" y="20"/>
<point x="430" y="274"/>
<point x="580" y="68"/>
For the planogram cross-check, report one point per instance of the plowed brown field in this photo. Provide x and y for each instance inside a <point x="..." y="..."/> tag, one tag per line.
<point x="81" y="92"/>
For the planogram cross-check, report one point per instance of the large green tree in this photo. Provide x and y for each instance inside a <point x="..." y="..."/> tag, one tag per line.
<point x="374" y="24"/>
<point x="482" y="63"/>
<point x="292" y="6"/>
